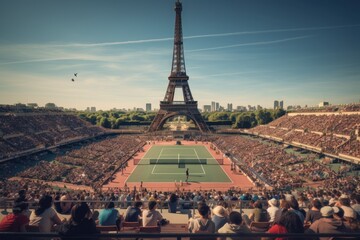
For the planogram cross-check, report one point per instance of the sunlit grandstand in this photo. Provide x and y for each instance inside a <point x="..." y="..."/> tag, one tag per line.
<point x="309" y="154"/>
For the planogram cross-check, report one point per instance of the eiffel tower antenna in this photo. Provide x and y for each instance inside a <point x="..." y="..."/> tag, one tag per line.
<point x="178" y="79"/>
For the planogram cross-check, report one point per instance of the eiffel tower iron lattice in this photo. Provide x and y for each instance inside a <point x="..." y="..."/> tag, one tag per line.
<point x="178" y="79"/>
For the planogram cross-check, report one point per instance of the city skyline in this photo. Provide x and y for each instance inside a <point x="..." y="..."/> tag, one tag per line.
<point x="239" y="52"/>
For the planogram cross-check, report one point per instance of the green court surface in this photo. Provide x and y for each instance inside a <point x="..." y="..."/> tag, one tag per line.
<point x="169" y="164"/>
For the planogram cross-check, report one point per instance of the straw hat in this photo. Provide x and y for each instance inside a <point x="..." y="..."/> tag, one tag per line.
<point x="219" y="211"/>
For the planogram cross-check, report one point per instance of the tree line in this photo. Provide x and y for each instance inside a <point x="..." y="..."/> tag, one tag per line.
<point x="116" y="119"/>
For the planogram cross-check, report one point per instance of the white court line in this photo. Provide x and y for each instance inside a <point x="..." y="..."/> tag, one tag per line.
<point x="160" y="154"/>
<point x="137" y="165"/>
<point x="176" y="173"/>
<point x="181" y="148"/>
<point x="199" y="160"/>
<point x="188" y="155"/>
<point x="152" y="172"/>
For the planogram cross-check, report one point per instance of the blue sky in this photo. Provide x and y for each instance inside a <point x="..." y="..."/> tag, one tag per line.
<point x="245" y="52"/>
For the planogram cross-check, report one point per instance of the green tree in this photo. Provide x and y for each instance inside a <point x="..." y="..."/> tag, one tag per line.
<point x="233" y="116"/>
<point x="219" y="116"/>
<point x="104" y="122"/>
<point x="246" y="120"/>
<point x="278" y="113"/>
<point x="136" y="117"/>
<point x="263" y="117"/>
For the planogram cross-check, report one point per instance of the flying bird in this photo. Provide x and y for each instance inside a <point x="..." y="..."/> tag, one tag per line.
<point x="73" y="80"/>
<point x="75" y="74"/>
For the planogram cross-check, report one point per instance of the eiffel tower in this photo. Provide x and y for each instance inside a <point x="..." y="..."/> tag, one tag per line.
<point x="178" y="79"/>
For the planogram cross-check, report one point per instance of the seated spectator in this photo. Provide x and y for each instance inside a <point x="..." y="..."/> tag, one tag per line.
<point x="294" y="206"/>
<point x="219" y="217"/>
<point x="17" y="220"/>
<point x="173" y="202"/>
<point x="327" y="224"/>
<point x="288" y="223"/>
<point x="109" y="216"/>
<point x="65" y="206"/>
<point x="80" y="223"/>
<point x="234" y="226"/>
<point x="21" y="196"/>
<point x="45" y="217"/>
<point x="314" y="212"/>
<point x="284" y="206"/>
<point x="151" y="217"/>
<point x="203" y="223"/>
<point x="349" y="212"/>
<point x="258" y="215"/>
<point x="133" y="214"/>
<point x="274" y="211"/>
<point x="356" y="205"/>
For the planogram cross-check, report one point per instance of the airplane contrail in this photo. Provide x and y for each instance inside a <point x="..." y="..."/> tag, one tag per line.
<point x="191" y="37"/>
<point x="271" y="31"/>
<point x="204" y="36"/>
<point x="248" y="44"/>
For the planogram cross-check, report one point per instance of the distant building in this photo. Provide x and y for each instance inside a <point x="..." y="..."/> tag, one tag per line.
<point x="251" y="108"/>
<point x="213" y="107"/>
<point x="281" y="104"/>
<point x="148" y="107"/>
<point x="229" y="107"/>
<point x="241" y="108"/>
<point x="276" y="104"/>
<point x="207" y="108"/>
<point x="323" y="104"/>
<point x="93" y="109"/>
<point x="217" y="106"/>
<point x="259" y="107"/>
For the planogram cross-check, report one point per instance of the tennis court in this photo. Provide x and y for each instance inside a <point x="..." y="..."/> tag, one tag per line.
<point x="169" y="163"/>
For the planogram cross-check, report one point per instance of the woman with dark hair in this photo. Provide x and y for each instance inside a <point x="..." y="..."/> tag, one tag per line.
<point x="173" y="202"/>
<point x="294" y="206"/>
<point x="289" y="222"/>
<point x="80" y="222"/>
<point x="314" y="212"/>
<point x="45" y="216"/>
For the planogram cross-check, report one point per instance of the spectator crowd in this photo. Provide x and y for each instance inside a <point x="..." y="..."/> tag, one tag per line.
<point x="329" y="133"/>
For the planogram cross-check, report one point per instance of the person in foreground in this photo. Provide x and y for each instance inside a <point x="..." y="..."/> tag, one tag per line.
<point x="151" y="217"/>
<point x="110" y="216"/>
<point x="133" y="213"/>
<point x="289" y="222"/>
<point x="329" y="223"/>
<point x="17" y="220"/>
<point x="80" y="222"/>
<point x="219" y="217"/>
<point x="234" y="226"/>
<point x="204" y="223"/>
<point x="45" y="217"/>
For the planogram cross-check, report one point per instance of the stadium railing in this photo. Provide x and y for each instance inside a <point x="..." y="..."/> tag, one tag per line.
<point x="177" y="236"/>
<point x="182" y="206"/>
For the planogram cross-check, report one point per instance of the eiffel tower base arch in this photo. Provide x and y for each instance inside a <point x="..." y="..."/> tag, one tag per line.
<point x="170" y="110"/>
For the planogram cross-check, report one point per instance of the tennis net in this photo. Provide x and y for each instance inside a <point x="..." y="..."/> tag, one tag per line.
<point x="203" y="161"/>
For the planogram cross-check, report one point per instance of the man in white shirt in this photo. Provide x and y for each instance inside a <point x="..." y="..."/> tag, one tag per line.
<point x="274" y="210"/>
<point x="151" y="217"/>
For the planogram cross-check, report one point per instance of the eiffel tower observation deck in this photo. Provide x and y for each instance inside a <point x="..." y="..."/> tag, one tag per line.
<point x="178" y="79"/>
